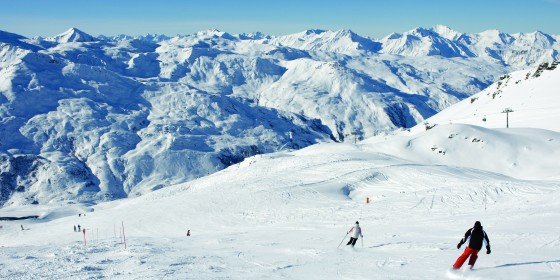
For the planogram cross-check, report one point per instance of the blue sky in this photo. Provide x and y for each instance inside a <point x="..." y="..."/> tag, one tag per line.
<point x="374" y="18"/>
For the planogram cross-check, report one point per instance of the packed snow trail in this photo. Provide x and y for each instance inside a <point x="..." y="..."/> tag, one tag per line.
<point x="282" y="215"/>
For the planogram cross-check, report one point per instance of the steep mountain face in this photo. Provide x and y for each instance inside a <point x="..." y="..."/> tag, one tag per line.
<point x="85" y="118"/>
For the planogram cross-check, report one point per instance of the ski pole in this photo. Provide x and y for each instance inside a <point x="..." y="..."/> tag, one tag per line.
<point x="342" y="240"/>
<point x="362" y="241"/>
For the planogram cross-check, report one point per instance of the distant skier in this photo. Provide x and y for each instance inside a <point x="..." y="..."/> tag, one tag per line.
<point x="188" y="232"/>
<point x="475" y="237"/>
<point x="78" y="228"/>
<point x="357" y="231"/>
<point x="22" y="227"/>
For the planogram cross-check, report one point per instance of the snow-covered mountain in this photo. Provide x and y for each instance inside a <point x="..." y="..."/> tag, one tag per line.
<point x="424" y="42"/>
<point x="88" y="118"/>
<point x="72" y="35"/>
<point x="342" y="41"/>
<point x="519" y="50"/>
<point x="526" y="98"/>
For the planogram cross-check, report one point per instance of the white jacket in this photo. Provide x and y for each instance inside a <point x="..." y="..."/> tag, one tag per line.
<point x="357" y="231"/>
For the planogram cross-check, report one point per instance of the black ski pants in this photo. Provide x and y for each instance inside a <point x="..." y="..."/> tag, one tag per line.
<point x="352" y="241"/>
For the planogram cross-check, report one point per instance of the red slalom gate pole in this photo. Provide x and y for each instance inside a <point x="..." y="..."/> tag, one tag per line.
<point x="85" y="243"/>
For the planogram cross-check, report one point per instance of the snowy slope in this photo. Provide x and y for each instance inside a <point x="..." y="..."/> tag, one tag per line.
<point x="282" y="216"/>
<point x="504" y="151"/>
<point x="93" y="119"/>
<point x="531" y="95"/>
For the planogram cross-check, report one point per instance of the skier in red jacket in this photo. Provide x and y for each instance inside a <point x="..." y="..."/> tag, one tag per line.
<point x="475" y="237"/>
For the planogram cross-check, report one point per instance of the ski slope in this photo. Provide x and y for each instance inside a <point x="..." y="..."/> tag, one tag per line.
<point x="530" y="94"/>
<point x="282" y="216"/>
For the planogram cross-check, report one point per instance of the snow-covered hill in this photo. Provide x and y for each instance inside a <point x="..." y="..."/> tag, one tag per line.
<point x="91" y="119"/>
<point x="526" y="98"/>
<point x="285" y="215"/>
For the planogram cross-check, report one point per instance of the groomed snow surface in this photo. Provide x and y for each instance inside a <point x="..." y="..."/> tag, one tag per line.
<point x="282" y="215"/>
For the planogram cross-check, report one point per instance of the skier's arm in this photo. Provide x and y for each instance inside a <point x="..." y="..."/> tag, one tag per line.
<point x="487" y="241"/>
<point x="465" y="238"/>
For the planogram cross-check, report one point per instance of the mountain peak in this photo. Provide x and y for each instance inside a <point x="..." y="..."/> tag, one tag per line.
<point x="340" y="41"/>
<point x="436" y="31"/>
<point x="543" y="36"/>
<point x="73" y="35"/>
<point x="494" y="35"/>
<point x="422" y="32"/>
<point x="345" y="32"/>
<point x="393" y="36"/>
<point x="446" y="32"/>
<point x="491" y="32"/>
<point x="215" y="33"/>
<point x="313" y="31"/>
<point x="253" y="36"/>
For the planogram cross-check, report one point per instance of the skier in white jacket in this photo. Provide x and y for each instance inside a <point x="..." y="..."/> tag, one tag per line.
<point x="357" y="231"/>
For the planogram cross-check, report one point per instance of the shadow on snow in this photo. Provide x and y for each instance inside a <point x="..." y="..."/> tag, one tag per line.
<point x="520" y="264"/>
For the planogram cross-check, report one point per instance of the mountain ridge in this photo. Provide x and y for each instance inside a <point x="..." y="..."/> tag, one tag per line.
<point x="92" y="119"/>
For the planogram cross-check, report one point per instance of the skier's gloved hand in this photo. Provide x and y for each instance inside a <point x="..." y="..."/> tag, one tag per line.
<point x="459" y="245"/>
<point x="488" y="251"/>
